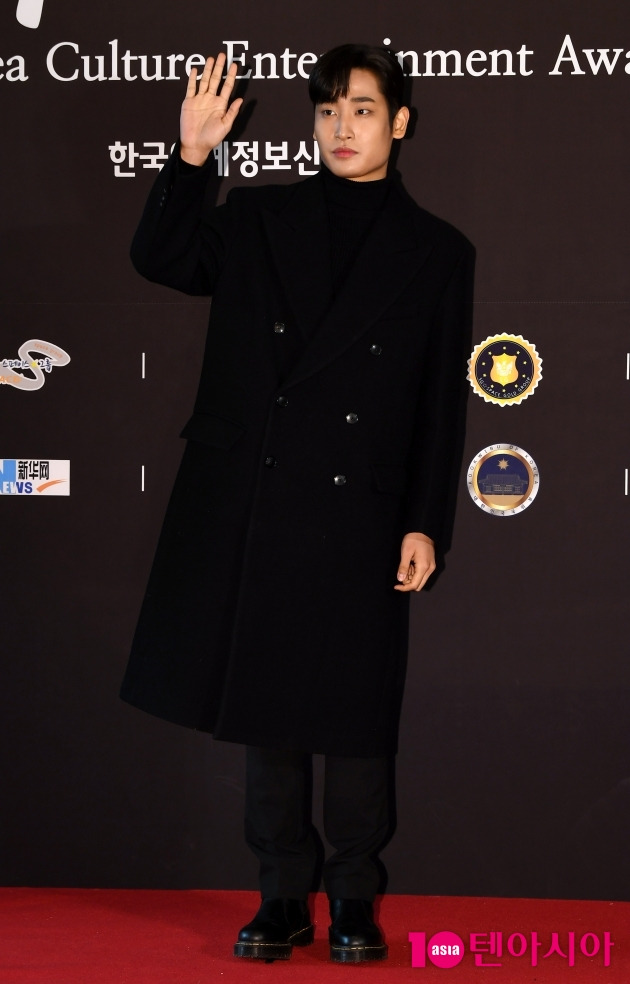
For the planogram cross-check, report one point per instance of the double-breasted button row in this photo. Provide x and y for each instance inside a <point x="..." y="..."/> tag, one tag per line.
<point x="283" y="401"/>
<point x="271" y="462"/>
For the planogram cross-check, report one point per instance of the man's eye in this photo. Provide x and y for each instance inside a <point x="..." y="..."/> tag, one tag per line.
<point x="363" y="111"/>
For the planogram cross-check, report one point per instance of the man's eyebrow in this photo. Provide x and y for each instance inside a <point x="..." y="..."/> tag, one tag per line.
<point x="354" y="99"/>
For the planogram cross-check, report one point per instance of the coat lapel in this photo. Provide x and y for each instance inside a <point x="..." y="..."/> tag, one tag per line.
<point x="298" y="236"/>
<point x="387" y="261"/>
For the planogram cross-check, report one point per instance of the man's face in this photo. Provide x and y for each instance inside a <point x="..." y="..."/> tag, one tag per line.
<point x="355" y="133"/>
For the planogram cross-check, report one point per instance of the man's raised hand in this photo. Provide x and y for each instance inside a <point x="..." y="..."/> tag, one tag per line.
<point x="206" y="116"/>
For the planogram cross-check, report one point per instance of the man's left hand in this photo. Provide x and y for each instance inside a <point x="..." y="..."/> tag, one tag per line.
<point x="417" y="562"/>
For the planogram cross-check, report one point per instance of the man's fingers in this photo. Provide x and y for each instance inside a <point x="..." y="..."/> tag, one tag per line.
<point x="204" y="78"/>
<point x="191" y="88"/>
<point x="232" y="112"/>
<point x="413" y="578"/>
<point x="422" y="577"/>
<point x="210" y="78"/>
<point x="423" y="580"/>
<point x="406" y="573"/>
<point x="414" y="584"/>
<point x="215" y="75"/>
<point x="406" y="568"/>
<point x="228" y="82"/>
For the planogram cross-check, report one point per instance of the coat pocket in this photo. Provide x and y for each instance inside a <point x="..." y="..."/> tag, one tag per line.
<point x="209" y="428"/>
<point x="389" y="479"/>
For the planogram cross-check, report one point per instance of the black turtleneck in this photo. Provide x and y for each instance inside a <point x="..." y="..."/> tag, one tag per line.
<point x="352" y="209"/>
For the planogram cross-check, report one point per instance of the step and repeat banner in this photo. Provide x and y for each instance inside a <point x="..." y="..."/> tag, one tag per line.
<point x="514" y="771"/>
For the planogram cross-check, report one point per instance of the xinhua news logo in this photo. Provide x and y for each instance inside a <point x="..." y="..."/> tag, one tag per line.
<point x="446" y="949"/>
<point x="29" y="12"/>
<point x="34" y="476"/>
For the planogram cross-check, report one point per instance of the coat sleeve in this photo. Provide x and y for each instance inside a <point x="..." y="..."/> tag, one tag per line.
<point x="438" y="442"/>
<point x="183" y="236"/>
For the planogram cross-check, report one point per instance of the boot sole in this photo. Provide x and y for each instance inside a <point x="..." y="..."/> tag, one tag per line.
<point x="275" y="951"/>
<point x="355" y="954"/>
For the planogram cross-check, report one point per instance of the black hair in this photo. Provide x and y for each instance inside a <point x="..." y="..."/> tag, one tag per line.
<point x="330" y="77"/>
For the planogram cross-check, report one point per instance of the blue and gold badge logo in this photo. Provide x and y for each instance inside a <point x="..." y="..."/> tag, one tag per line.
<point x="503" y="480"/>
<point x="505" y="369"/>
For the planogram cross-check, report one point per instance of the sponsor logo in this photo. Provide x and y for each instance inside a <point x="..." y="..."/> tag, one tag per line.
<point x="34" y="476"/>
<point x="28" y="373"/>
<point x="505" y="369"/>
<point x="503" y="480"/>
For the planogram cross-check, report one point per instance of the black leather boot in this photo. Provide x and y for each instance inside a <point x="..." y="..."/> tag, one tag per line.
<point x="353" y="934"/>
<point x="278" y="926"/>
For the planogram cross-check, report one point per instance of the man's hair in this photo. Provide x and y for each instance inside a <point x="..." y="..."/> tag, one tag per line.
<point x="330" y="77"/>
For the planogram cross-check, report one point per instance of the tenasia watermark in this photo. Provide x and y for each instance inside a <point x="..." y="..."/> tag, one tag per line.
<point x="446" y="949"/>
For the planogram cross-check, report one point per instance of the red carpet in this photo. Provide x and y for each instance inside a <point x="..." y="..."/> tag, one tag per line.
<point x="79" y="936"/>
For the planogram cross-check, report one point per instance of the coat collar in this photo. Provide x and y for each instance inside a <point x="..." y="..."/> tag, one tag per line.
<point x="388" y="259"/>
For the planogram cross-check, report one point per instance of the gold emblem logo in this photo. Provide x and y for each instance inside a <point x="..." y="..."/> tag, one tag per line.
<point x="503" y="480"/>
<point x="504" y="369"/>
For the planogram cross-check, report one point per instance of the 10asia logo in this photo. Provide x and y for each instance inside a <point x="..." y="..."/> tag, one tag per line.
<point x="447" y="949"/>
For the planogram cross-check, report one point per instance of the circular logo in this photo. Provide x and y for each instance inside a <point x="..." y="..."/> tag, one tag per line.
<point x="445" y="949"/>
<point x="503" y="480"/>
<point x="505" y="369"/>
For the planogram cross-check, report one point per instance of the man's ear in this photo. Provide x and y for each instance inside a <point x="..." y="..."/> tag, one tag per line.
<point x="401" y="119"/>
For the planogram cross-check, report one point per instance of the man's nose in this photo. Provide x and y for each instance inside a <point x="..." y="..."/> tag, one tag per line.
<point x="344" y="126"/>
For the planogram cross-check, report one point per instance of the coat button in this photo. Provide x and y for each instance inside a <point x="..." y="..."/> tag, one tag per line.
<point x="282" y="401"/>
<point x="352" y="418"/>
<point x="340" y="479"/>
<point x="375" y="349"/>
<point x="270" y="462"/>
<point x="279" y="328"/>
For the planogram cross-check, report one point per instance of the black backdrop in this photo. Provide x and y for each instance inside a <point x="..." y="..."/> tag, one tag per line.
<point x="513" y="777"/>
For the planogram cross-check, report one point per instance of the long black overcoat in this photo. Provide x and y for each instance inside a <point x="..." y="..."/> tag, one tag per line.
<point x="321" y="434"/>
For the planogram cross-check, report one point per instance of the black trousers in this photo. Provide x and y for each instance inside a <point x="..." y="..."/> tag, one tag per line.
<point x="280" y="831"/>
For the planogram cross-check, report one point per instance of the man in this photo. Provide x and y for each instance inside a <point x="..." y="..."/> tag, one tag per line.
<point x="320" y="459"/>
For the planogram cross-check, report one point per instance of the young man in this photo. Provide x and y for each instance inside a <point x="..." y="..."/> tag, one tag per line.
<point x="315" y="483"/>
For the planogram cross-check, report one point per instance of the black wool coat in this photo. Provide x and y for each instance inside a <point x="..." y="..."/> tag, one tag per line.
<point x="321" y="435"/>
